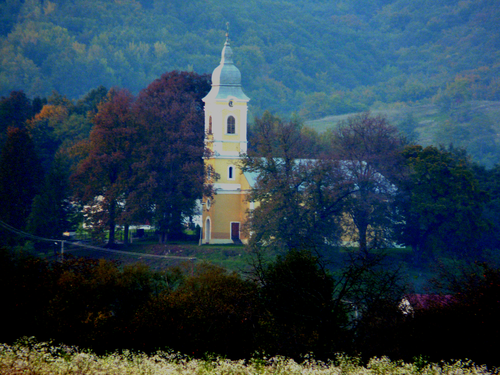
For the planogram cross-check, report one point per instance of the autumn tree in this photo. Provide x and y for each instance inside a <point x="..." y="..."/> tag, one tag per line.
<point x="299" y="200"/>
<point x="89" y="104"/>
<point x="102" y="179"/>
<point x="171" y="170"/>
<point x="42" y="128"/>
<point x="368" y="149"/>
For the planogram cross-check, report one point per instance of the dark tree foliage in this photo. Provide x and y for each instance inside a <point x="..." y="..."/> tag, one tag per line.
<point x="462" y="322"/>
<point x="170" y="170"/>
<point x="84" y="302"/>
<point x="15" y="110"/>
<point x="371" y="287"/>
<point x="300" y="200"/>
<point x="45" y="139"/>
<point x="440" y="203"/>
<point x="89" y="104"/>
<point x="211" y="311"/>
<point x="52" y="208"/>
<point x="489" y="181"/>
<point x="26" y="289"/>
<point x="99" y="305"/>
<point x="300" y="312"/>
<point x="368" y="149"/>
<point x="103" y="178"/>
<point x="21" y="177"/>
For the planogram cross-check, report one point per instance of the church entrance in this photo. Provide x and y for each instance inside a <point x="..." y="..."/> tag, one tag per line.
<point x="235" y="231"/>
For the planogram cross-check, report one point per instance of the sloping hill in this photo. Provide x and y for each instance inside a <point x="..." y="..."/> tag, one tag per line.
<point x="473" y="125"/>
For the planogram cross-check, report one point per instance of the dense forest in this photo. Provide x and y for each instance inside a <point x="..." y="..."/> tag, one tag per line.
<point x="315" y="57"/>
<point x="312" y="58"/>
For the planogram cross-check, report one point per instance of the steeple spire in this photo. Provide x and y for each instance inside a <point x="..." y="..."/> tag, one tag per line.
<point x="226" y="78"/>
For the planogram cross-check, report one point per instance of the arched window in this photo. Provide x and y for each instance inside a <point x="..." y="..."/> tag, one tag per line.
<point x="230" y="173"/>
<point x="210" y="125"/>
<point x="207" y="230"/>
<point x="231" y="125"/>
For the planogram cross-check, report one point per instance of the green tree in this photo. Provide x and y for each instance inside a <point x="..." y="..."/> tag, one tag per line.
<point x="51" y="209"/>
<point x="20" y="178"/>
<point x="440" y="203"/>
<point x="15" y="110"/>
<point x="489" y="181"/>
<point x="103" y="177"/>
<point x="89" y="104"/>
<point x="170" y="170"/>
<point x="301" y="313"/>
<point x="408" y="126"/>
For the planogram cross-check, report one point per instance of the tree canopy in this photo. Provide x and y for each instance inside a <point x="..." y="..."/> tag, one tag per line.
<point x="170" y="169"/>
<point x="441" y="203"/>
<point x="314" y="57"/>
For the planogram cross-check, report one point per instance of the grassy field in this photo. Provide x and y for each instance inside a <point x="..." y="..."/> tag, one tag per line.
<point x="41" y="358"/>
<point x="160" y="256"/>
<point x="236" y="257"/>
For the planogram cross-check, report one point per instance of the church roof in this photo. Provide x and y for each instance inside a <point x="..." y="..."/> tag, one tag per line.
<point x="226" y="78"/>
<point x="251" y="178"/>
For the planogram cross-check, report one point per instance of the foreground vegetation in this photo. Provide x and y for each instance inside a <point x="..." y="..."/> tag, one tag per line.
<point x="286" y="307"/>
<point x="28" y="356"/>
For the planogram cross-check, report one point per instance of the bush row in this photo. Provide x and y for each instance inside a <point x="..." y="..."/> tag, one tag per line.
<point x="293" y="308"/>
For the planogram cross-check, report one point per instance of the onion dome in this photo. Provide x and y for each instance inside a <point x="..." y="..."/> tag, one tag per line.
<point x="226" y="78"/>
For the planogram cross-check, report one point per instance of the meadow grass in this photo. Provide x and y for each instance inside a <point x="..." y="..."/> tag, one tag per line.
<point x="30" y="357"/>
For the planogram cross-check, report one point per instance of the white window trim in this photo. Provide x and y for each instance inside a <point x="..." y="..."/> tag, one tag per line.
<point x="234" y="172"/>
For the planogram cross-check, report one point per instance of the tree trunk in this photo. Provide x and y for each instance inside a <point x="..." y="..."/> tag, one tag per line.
<point x="362" y="229"/>
<point x="112" y="223"/>
<point x="125" y="235"/>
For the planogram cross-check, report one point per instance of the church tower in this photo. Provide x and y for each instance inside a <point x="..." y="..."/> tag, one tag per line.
<point x="226" y="136"/>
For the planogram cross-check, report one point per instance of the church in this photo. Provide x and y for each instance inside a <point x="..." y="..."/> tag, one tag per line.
<point x="226" y="108"/>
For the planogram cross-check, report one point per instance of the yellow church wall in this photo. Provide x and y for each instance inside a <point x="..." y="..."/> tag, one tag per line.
<point x="221" y="166"/>
<point x="225" y="209"/>
<point x="227" y="206"/>
<point x="235" y="146"/>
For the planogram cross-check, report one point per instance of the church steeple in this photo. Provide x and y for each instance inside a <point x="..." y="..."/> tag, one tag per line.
<point x="226" y="78"/>
<point x="226" y="136"/>
<point x="226" y="108"/>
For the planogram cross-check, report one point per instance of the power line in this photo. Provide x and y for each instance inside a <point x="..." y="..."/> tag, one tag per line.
<point x="62" y="242"/>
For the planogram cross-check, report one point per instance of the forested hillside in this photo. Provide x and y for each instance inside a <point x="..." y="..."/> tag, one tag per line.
<point x="317" y="58"/>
